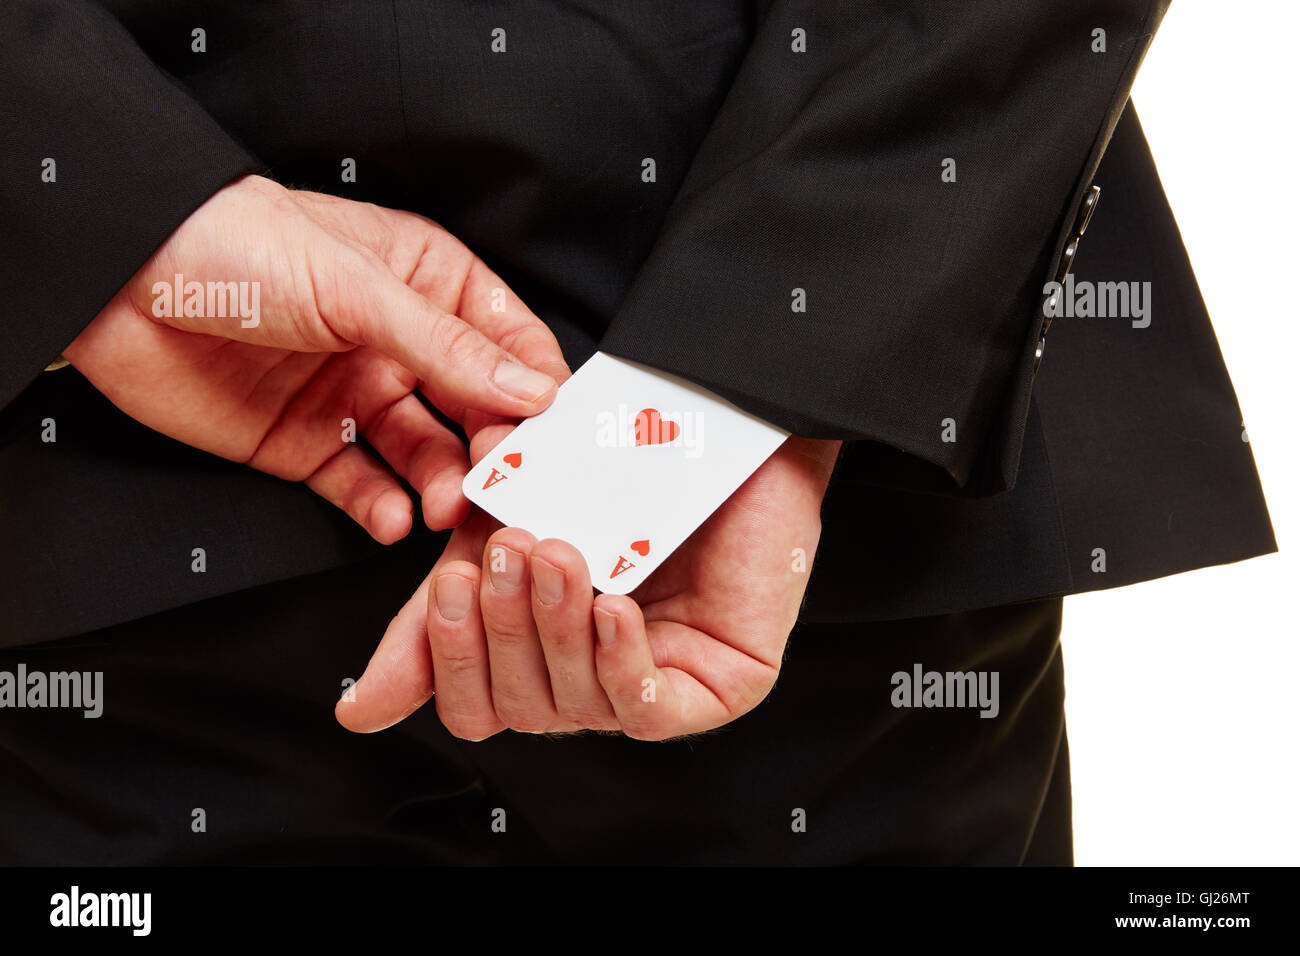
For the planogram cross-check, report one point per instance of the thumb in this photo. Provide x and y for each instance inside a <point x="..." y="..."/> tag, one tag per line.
<point x="366" y="304"/>
<point x="399" y="677"/>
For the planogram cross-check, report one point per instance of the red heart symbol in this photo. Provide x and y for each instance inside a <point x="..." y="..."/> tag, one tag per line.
<point x="514" y="459"/>
<point x="641" y="547"/>
<point x="651" y="429"/>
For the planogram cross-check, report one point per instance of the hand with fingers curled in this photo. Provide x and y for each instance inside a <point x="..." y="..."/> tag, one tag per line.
<point x="505" y="633"/>
<point x="365" y="314"/>
<point x="361" y="312"/>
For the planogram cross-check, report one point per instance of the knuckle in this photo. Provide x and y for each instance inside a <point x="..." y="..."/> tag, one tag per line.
<point x="455" y="665"/>
<point x="350" y="267"/>
<point x="510" y="633"/>
<point x="530" y="724"/>
<point x="620" y="686"/>
<point x="467" y="724"/>
<point x="341" y="293"/>
<point x="564" y="640"/>
<point x="472" y="730"/>
<point x="588" y="716"/>
<point x="753" y="686"/>
<point x="647" y="730"/>
<point x="532" y="335"/>
<point x="458" y="343"/>
<point x="524" y="716"/>
<point x="280" y="201"/>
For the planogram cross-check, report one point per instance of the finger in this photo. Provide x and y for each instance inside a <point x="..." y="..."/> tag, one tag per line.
<point x="492" y="307"/>
<point x="445" y="271"/>
<point x="521" y="686"/>
<point x="651" y="702"/>
<point x="489" y="305"/>
<point x="562" y="610"/>
<point x="399" y="677"/>
<point x="483" y="441"/>
<point x="342" y="395"/>
<point x="426" y="453"/>
<point x="462" y="683"/>
<point x="367" y="491"/>
<point x="366" y="392"/>
<point x="455" y="280"/>
<point x="469" y="539"/>
<point x="364" y="303"/>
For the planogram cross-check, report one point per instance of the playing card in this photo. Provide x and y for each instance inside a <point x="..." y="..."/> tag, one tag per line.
<point x="624" y="465"/>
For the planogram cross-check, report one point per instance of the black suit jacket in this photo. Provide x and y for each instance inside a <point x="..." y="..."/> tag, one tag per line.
<point x="971" y="476"/>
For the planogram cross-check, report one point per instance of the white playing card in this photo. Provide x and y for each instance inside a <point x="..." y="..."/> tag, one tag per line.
<point x="624" y="465"/>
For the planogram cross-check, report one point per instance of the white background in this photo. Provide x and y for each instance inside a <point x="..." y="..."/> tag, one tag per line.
<point x="1182" y="694"/>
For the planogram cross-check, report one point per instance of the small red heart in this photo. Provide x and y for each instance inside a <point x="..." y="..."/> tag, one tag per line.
<point x="641" y="547"/>
<point x="651" y="429"/>
<point x="514" y="459"/>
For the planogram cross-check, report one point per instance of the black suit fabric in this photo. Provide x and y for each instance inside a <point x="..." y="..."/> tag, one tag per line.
<point x="225" y="706"/>
<point x="775" y="170"/>
<point x="841" y="216"/>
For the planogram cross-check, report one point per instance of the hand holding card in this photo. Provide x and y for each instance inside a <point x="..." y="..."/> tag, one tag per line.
<point x="641" y="472"/>
<point x="625" y="465"/>
<point x="513" y="638"/>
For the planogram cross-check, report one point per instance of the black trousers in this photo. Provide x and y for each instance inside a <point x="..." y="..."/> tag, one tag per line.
<point x="217" y="745"/>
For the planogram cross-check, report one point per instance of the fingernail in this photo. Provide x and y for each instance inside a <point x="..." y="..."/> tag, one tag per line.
<point x="606" y="626"/>
<point x="505" y="569"/>
<point x="548" y="582"/>
<point x="521" y="381"/>
<point x="454" y="595"/>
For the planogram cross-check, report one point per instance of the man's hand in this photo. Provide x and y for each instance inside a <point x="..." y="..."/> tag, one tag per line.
<point x="514" y="639"/>
<point x="359" y="307"/>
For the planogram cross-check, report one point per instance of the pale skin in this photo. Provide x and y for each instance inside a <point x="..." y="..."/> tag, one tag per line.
<point x="362" y="306"/>
<point x="515" y="641"/>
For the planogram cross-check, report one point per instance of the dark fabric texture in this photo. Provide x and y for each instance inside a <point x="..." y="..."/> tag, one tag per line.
<point x="1148" y="447"/>
<point x="1133" y="446"/>
<point x="774" y="170"/>
<point x="133" y="152"/>
<point x="921" y="307"/>
<point x="224" y="706"/>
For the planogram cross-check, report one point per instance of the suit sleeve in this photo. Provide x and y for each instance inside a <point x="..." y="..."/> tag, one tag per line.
<point x="859" y="248"/>
<point x="103" y="157"/>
